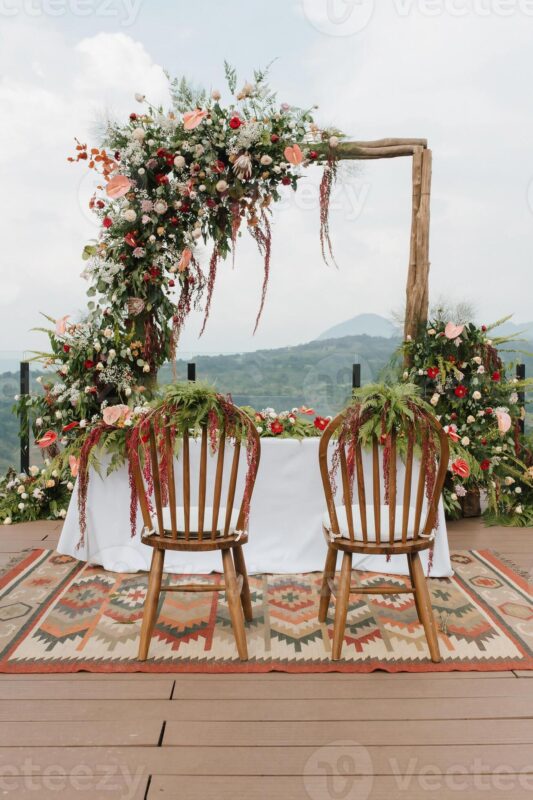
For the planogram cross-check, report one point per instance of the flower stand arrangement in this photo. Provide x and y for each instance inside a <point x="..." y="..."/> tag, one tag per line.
<point x="475" y="397"/>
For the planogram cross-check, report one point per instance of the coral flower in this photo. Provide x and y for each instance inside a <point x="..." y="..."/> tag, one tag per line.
<point x="61" y="325"/>
<point x="185" y="260"/>
<point x="461" y="468"/>
<point x="74" y="464"/>
<point x="47" y="439"/>
<point x="293" y="155"/>
<point x="191" y="119"/>
<point x="118" y="186"/>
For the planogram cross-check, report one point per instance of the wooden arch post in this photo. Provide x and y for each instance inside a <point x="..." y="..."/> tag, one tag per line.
<point x="417" y="289"/>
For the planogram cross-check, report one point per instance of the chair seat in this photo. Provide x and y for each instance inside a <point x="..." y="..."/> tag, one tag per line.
<point x="370" y="523"/>
<point x="193" y="521"/>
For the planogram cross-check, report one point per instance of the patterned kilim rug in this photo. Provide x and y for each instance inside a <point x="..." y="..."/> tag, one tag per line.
<point x="60" y="615"/>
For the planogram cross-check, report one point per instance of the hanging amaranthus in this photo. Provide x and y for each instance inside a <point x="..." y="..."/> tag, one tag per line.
<point x="326" y="185"/>
<point x="213" y="264"/>
<point x="262" y="233"/>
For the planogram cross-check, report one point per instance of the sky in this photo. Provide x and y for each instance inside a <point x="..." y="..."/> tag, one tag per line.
<point x="452" y="71"/>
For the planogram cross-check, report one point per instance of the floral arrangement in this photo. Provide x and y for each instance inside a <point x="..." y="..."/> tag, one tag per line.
<point x="42" y="494"/>
<point x="172" y="180"/>
<point x="464" y="379"/>
<point x="294" y="424"/>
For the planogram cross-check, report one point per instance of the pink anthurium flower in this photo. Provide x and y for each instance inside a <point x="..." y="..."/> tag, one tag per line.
<point x="74" y="464"/>
<point x="118" y="186"/>
<point x="191" y="119"/>
<point x="504" y="421"/>
<point x="294" y="155"/>
<point x="452" y="331"/>
<point x="47" y="439"/>
<point x="61" y="325"/>
<point x="185" y="260"/>
<point x="116" y="415"/>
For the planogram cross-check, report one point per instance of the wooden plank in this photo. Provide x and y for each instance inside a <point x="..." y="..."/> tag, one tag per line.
<point x="424" y="687"/>
<point x="230" y="760"/>
<point x="93" y="690"/>
<point x="524" y="673"/>
<point x="275" y="677"/>
<point x="264" y="710"/>
<point x="317" y="788"/>
<point x="110" y="733"/>
<point x="81" y="783"/>
<point x="317" y="733"/>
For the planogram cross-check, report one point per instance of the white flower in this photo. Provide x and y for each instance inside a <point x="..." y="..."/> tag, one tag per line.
<point x="146" y="368"/>
<point x="477" y="359"/>
<point x="138" y="135"/>
<point x="518" y="510"/>
<point x="59" y="414"/>
<point x="160" y="206"/>
<point x="39" y="422"/>
<point x="70" y="486"/>
<point x="8" y="521"/>
<point x="470" y="419"/>
<point x="62" y="513"/>
<point x="453" y="496"/>
<point x="99" y="366"/>
<point x="513" y="398"/>
<point x="127" y="391"/>
<point x="480" y="370"/>
<point x="83" y="423"/>
<point x="34" y="470"/>
<point x="97" y="346"/>
<point x="20" y="489"/>
<point x="24" y="495"/>
<point x="432" y="332"/>
<point x="21" y="506"/>
<point x="509" y="481"/>
<point x="465" y="441"/>
<point x="129" y="215"/>
<point x="112" y="353"/>
<point x="405" y="375"/>
<point x="518" y="490"/>
<point x="476" y="395"/>
<point x="266" y="160"/>
<point x="333" y="141"/>
<point x="108" y="332"/>
<point x="140" y="97"/>
<point x="179" y="162"/>
<point x="221" y="186"/>
<point x="215" y="95"/>
<point x="435" y="399"/>
<point x="39" y="379"/>
<point x="259" y="429"/>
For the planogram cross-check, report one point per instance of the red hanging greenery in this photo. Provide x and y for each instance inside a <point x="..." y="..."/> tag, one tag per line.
<point x="213" y="263"/>
<point x="262" y="234"/>
<point x="326" y="185"/>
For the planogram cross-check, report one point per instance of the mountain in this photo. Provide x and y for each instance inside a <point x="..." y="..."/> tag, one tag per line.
<point x="362" y="324"/>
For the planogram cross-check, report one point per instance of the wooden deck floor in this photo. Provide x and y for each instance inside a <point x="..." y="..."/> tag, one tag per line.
<point x="269" y="736"/>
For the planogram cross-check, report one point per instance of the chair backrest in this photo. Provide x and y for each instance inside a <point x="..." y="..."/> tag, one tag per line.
<point x="352" y="464"/>
<point x="161" y="477"/>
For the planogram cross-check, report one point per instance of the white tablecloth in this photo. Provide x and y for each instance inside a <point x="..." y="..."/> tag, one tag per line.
<point x="285" y="522"/>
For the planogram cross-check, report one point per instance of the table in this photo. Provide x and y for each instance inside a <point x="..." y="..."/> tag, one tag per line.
<point x="285" y="522"/>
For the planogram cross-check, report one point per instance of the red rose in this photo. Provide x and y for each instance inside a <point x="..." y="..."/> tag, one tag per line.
<point x="235" y="123"/>
<point x="453" y="415"/>
<point x="146" y="277"/>
<point x="107" y="222"/>
<point x="451" y="359"/>
<point x="210" y="203"/>
<point x="274" y="138"/>
<point x="155" y="272"/>
<point x="313" y="154"/>
<point x="321" y="423"/>
<point x="218" y="167"/>
<point x="461" y="468"/>
<point x="161" y="152"/>
<point x="161" y="179"/>
<point x="100" y="203"/>
<point x="488" y="411"/>
<point x="88" y="363"/>
<point x="496" y="376"/>
<point x="171" y="283"/>
<point x="286" y="181"/>
<point x="461" y="391"/>
<point x="483" y="328"/>
<point x="485" y="464"/>
<point x="133" y="116"/>
<point x="276" y="427"/>
<point x="433" y="372"/>
<point x="66" y="348"/>
<point x="483" y="441"/>
<point x="70" y="426"/>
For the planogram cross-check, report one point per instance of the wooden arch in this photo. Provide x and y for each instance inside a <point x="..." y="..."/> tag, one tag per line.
<point x="417" y="289"/>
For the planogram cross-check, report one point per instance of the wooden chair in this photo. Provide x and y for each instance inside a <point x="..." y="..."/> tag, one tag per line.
<point x="197" y="528"/>
<point x="358" y="528"/>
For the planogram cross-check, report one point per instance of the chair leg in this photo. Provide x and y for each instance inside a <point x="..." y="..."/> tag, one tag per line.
<point x="411" y="575"/>
<point x="234" y="603"/>
<point x="424" y="607"/>
<point x="151" y="602"/>
<point x="325" y="591"/>
<point x="246" y="598"/>
<point x="341" y="606"/>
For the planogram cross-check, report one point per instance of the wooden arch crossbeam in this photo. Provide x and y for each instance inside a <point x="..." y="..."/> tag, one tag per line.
<point x="417" y="289"/>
